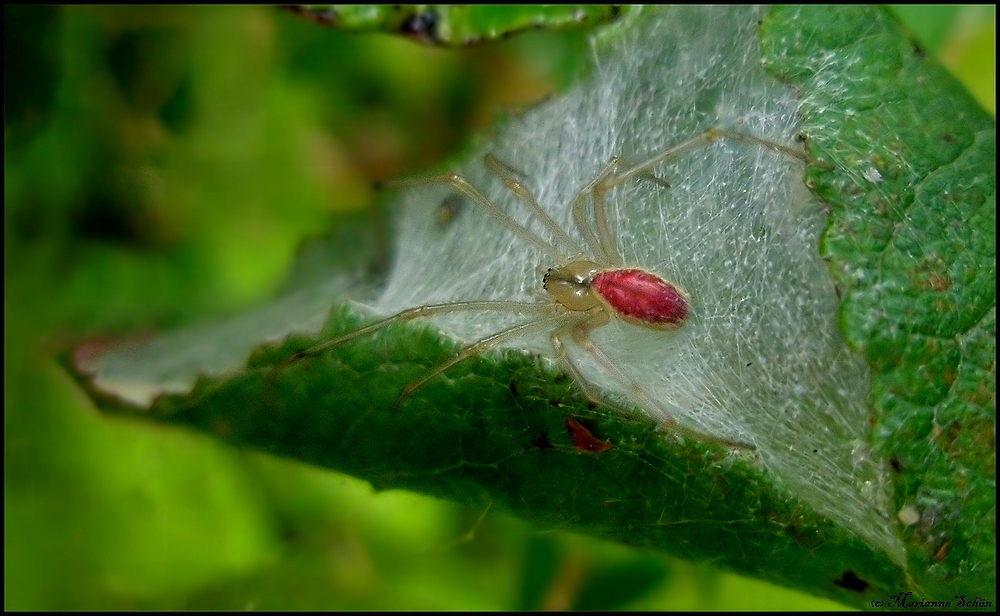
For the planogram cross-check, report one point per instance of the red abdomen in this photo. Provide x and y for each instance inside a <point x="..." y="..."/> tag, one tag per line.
<point x="641" y="297"/>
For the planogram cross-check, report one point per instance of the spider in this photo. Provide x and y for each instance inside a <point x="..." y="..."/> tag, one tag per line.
<point x="588" y="286"/>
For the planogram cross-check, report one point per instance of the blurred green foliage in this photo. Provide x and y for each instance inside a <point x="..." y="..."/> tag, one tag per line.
<point x="963" y="38"/>
<point x="163" y="164"/>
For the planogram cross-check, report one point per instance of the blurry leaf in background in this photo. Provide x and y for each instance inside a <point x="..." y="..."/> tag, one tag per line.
<point x="454" y="25"/>
<point x="963" y="38"/>
<point x="560" y="576"/>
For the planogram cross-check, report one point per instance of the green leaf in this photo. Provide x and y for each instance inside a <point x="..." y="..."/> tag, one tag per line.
<point x="452" y="25"/>
<point x="760" y="359"/>
<point x="912" y="244"/>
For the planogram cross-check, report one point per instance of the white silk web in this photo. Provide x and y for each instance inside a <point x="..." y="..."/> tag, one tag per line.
<point x="760" y="359"/>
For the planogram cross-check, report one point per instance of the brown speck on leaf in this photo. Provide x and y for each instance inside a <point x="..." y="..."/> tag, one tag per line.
<point x="939" y="282"/>
<point x="946" y="435"/>
<point x="514" y="389"/>
<point x="942" y="552"/>
<point x="583" y="439"/>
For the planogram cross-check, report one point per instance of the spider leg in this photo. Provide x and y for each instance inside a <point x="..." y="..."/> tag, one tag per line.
<point x="705" y="139"/>
<point x="490" y="208"/>
<point x="608" y="243"/>
<point x="599" y="237"/>
<point x="602" y="250"/>
<point x="580" y="331"/>
<point x="508" y="176"/>
<point x="592" y="393"/>
<point x="478" y="347"/>
<point x="416" y="313"/>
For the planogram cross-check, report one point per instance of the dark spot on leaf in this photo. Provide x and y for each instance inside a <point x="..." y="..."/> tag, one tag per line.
<point x="919" y="50"/>
<point x="850" y="581"/>
<point x="583" y="439"/>
<point x="896" y="464"/>
<point x="542" y="442"/>
<point x="942" y="552"/>
<point x="949" y="138"/>
<point x="422" y="26"/>
<point x="804" y="536"/>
